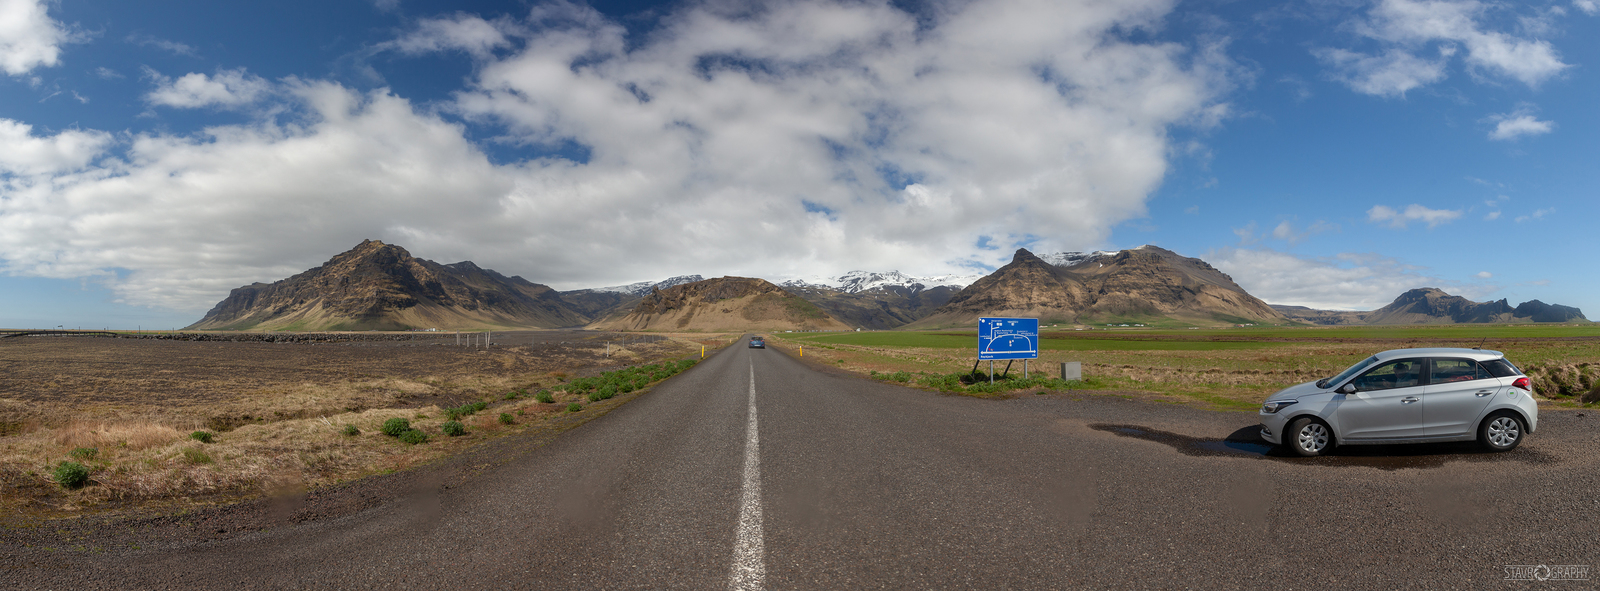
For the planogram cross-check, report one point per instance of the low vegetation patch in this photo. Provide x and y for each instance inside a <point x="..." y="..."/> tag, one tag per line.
<point x="414" y="436"/>
<point x="70" y="475"/>
<point x="203" y="436"/>
<point x="453" y="428"/>
<point x="396" y="426"/>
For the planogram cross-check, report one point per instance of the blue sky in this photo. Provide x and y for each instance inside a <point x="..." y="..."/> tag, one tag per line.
<point x="1326" y="153"/>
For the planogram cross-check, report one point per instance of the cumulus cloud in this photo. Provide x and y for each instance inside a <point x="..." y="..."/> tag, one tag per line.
<point x="1589" y="7"/>
<point x="796" y="138"/>
<point x="1343" y="282"/>
<point x="26" y="154"/>
<point x="182" y="219"/>
<point x="29" y="38"/>
<point x="1406" y="30"/>
<point x="1383" y="214"/>
<point x="1513" y="125"/>
<point x="228" y="88"/>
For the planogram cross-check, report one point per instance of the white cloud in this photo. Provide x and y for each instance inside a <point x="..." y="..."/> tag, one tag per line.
<point x="23" y="153"/>
<point x="1536" y="215"/>
<point x="1513" y="125"/>
<point x="1390" y="74"/>
<point x="1589" y="7"/>
<point x="166" y="45"/>
<point x="1342" y="282"/>
<point x="185" y="219"/>
<point x="1412" y="213"/>
<point x="460" y="32"/>
<point x="1285" y="231"/>
<point x="805" y="138"/>
<point x="1491" y="216"/>
<point x="228" y="88"/>
<point x="29" y="38"/>
<point x="1484" y="275"/>
<point x="1405" y="28"/>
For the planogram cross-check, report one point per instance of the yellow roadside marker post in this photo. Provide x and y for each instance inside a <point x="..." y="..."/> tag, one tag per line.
<point x="802" y="350"/>
<point x="702" y="351"/>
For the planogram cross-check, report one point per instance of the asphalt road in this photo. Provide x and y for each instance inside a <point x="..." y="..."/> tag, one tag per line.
<point x="754" y="470"/>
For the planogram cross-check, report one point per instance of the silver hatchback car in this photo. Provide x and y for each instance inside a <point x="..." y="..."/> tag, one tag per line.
<point x="1406" y="396"/>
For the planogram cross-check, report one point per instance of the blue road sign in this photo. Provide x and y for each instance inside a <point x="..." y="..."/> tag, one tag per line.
<point x="1008" y="338"/>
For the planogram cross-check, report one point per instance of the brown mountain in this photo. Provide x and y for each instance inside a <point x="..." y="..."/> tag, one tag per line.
<point x="878" y="308"/>
<point x="1427" y="305"/>
<point x="1144" y="284"/>
<point x="726" y="303"/>
<point x="377" y="286"/>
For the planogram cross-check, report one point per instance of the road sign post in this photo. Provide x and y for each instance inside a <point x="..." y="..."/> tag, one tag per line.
<point x="1007" y="338"/>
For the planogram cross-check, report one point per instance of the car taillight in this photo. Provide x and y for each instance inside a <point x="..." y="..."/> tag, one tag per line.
<point x="1523" y="383"/>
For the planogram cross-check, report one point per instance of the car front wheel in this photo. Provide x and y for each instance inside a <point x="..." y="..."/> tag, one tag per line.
<point x="1308" y="437"/>
<point x="1501" y="432"/>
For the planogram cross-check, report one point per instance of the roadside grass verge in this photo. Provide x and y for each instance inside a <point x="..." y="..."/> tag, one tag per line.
<point x="1197" y="366"/>
<point x="151" y="458"/>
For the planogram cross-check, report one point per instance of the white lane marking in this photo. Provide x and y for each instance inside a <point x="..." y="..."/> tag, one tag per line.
<point x="749" y="563"/>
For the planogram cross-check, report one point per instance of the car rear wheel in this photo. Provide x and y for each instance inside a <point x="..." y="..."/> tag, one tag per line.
<point x="1308" y="437"/>
<point x="1501" y="432"/>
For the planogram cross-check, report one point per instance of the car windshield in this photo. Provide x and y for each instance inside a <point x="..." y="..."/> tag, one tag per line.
<point x="1354" y="369"/>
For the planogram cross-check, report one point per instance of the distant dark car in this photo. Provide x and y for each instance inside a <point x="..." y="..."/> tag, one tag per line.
<point x="757" y="343"/>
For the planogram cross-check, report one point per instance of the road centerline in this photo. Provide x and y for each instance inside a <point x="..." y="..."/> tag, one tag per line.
<point x="749" y="561"/>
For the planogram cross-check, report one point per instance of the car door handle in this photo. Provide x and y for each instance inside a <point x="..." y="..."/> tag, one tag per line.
<point x="1482" y="393"/>
<point x="1408" y="400"/>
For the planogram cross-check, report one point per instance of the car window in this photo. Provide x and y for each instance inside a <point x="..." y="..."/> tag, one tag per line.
<point x="1501" y="368"/>
<point x="1394" y="374"/>
<point x="1455" y="370"/>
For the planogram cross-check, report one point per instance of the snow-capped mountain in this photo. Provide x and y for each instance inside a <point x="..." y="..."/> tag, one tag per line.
<point x="859" y="281"/>
<point x="1068" y="259"/>
<point x="643" y="288"/>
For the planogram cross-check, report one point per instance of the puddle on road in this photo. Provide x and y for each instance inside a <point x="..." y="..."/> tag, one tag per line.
<point x="1246" y="442"/>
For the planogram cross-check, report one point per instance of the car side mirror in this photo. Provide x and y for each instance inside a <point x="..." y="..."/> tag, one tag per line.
<point x="1347" y="389"/>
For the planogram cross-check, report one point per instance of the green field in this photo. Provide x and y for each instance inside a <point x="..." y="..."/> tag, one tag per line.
<point x="1231" y="367"/>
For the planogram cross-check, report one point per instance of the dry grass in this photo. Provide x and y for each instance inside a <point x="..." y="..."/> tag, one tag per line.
<point x="275" y="433"/>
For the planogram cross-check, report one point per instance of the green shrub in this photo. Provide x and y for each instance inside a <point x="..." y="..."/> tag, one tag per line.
<point x="506" y="419"/>
<point x="626" y="388"/>
<point x="86" y="453"/>
<point x="70" y="475"/>
<point x="574" y="407"/>
<point x="479" y="405"/>
<point x="453" y="428"/>
<point x="195" y="455"/>
<point x="202" y="436"/>
<point x="413" y="436"/>
<point x="351" y="430"/>
<point x="544" y="396"/>
<point x="452" y="414"/>
<point x="395" y="426"/>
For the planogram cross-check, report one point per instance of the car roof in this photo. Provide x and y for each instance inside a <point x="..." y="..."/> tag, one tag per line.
<point x="1475" y="354"/>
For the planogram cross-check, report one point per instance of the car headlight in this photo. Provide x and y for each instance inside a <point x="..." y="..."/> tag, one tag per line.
<point x="1273" y="406"/>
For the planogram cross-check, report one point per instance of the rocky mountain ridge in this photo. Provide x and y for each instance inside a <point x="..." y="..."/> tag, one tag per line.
<point x="1146" y="282"/>
<point x="377" y="286"/>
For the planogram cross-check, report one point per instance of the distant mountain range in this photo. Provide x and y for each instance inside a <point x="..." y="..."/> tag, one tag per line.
<point x="377" y="286"/>
<point x="1427" y="305"/>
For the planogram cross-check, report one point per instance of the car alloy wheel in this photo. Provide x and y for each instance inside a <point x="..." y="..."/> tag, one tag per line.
<point x="1502" y="432"/>
<point x="1310" y="438"/>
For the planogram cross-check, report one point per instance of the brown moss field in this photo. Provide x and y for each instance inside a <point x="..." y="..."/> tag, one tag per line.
<point x="278" y="410"/>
